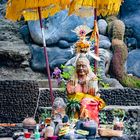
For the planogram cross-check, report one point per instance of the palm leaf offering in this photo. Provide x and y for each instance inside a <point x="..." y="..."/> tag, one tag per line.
<point x="73" y="107"/>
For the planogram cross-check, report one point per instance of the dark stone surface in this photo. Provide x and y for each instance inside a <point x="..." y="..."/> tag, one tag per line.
<point x="126" y="96"/>
<point x="111" y="138"/>
<point x="18" y="100"/>
<point x="131" y="120"/>
<point x="45" y="97"/>
<point x="9" y="131"/>
<point x="131" y="43"/>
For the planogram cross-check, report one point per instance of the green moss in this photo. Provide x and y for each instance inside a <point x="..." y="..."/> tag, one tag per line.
<point x="130" y="81"/>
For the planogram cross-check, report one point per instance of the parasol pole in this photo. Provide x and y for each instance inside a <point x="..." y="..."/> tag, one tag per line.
<point x="96" y="46"/>
<point x="46" y="55"/>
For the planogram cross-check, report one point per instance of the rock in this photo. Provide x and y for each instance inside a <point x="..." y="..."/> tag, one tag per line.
<point x="63" y="44"/>
<point x="116" y="28"/>
<point x="104" y="65"/>
<point x="103" y="37"/>
<point x="7" y="73"/>
<point x="105" y="44"/>
<point x="25" y="64"/>
<point x="9" y="31"/>
<point x="131" y="43"/>
<point x="58" y="28"/>
<point x="25" y="34"/>
<point x="13" y="53"/>
<point x="133" y="63"/>
<point x="56" y="56"/>
<point x="118" y="61"/>
<point x="102" y="25"/>
<point x="3" y="1"/>
<point x="130" y="15"/>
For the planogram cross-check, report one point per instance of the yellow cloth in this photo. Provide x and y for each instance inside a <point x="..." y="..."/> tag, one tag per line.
<point x="104" y="8"/>
<point x="29" y="8"/>
<point x="79" y="96"/>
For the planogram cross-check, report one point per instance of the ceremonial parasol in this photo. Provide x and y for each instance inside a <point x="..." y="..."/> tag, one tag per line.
<point x="34" y="10"/>
<point x="96" y="7"/>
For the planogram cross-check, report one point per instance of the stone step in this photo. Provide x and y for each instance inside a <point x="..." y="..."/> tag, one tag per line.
<point x="54" y="89"/>
<point x="106" y="108"/>
<point x="45" y="83"/>
<point x="110" y="107"/>
<point x="132" y="112"/>
<point x="6" y="138"/>
<point x="122" y="97"/>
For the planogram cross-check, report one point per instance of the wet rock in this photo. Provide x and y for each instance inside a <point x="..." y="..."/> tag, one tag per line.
<point x="131" y="43"/>
<point x="133" y="63"/>
<point x="58" y="28"/>
<point x="104" y="42"/>
<point x="24" y="30"/>
<point x="56" y="56"/>
<point x="130" y="15"/>
<point x="104" y="65"/>
<point x="8" y="73"/>
<point x="102" y="25"/>
<point x="13" y="53"/>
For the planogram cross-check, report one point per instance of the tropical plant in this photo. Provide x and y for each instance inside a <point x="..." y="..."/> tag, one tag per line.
<point x="45" y="114"/>
<point x="119" y="113"/>
<point x="103" y="117"/>
<point x="73" y="107"/>
<point x="103" y="84"/>
<point x="66" y="74"/>
<point x="67" y="71"/>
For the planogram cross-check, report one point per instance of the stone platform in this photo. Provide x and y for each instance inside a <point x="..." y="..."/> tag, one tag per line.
<point x="19" y="100"/>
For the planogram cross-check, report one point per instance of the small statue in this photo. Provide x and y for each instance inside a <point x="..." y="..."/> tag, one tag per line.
<point x="59" y="117"/>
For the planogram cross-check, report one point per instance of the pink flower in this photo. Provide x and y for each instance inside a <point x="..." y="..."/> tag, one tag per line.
<point x="82" y="33"/>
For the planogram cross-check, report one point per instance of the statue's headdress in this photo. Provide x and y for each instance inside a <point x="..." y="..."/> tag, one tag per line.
<point x="83" y="44"/>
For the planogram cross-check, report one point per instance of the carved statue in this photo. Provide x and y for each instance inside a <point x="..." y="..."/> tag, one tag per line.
<point x="83" y="87"/>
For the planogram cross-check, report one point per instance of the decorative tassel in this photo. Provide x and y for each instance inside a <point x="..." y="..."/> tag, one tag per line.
<point x="64" y="4"/>
<point x="28" y="8"/>
<point x="104" y="8"/>
<point x="32" y="14"/>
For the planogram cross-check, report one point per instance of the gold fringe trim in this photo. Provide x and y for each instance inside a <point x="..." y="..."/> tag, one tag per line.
<point x="104" y="8"/>
<point x="28" y="8"/>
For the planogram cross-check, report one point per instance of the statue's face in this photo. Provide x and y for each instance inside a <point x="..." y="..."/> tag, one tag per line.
<point x="81" y="68"/>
